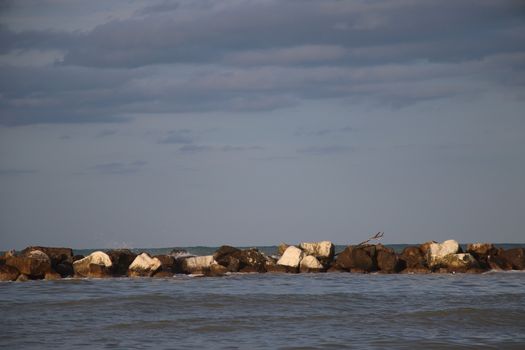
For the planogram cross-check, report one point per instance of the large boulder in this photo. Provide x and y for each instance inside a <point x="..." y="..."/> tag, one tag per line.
<point x="197" y="264"/>
<point x="323" y="251"/>
<point x="515" y="257"/>
<point x="310" y="264"/>
<point x="168" y="263"/>
<point x="251" y="260"/>
<point x="358" y="259"/>
<point x="8" y="273"/>
<point x="437" y="251"/>
<point x="65" y="269"/>
<point x="459" y="262"/>
<point x="291" y="257"/>
<point x="228" y="257"/>
<point x="413" y="258"/>
<point x="482" y="253"/>
<point x="282" y="248"/>
<point x="97" y="264"/>
<point x="34" y="264"/>
<point x="387" y="260"/>
<point x="57" y="255"/>
<point x="144" y="266"/>
<point x="121" y="259"/>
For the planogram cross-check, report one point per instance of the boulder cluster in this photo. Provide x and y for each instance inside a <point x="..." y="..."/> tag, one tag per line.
<point x="447" y="257"/>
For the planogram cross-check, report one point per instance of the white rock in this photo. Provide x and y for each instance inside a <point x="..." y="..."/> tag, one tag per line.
<point x="144" y="265"/>
<point x="437" y="251"/>
<point x="82" y="268"/>
<point x="98" y="258"/>
<point x="197" y="264"/>
<point x="310" y="262"/>
<point x="292" y="257"/>
<point x="38" y="254"/>
<point x="324" y="249"/>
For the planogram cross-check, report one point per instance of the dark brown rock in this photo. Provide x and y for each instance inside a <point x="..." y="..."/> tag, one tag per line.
<point x="416" y="270"/>
<point x="216" y="270"/>
<point x="228" y="257"/>
<point x="281" y="269"/>
<point x="413" y="258"/>
<point x="99" y="271"/>
<point x="121" y="259"/>
<point x="65" y="269"/>
<point x="8" y="273"/>
<point x="425" y="247"/>
<point x="34" y="264"/>
<point x="481" y="252"/>
<point x="78" y="257"/>
<point x="387" y="261"/>
<point x="515" y="257"/>
<point x="163" y="274"/>
<point x="57" y="255"/>
<point x="22" y="278"/>
<point x="498" y="263"/>
<point x="169" y="263"/>
<point x="357" y="258"/>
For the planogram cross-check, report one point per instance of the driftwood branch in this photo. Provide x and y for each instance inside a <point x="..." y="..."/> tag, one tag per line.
<point x="377" y="236"/>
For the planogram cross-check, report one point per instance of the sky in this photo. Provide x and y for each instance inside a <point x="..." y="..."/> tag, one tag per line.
<point x="181" y="123"/>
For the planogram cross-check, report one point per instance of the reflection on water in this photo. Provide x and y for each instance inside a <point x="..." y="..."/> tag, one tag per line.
<point x="267" y="311"/>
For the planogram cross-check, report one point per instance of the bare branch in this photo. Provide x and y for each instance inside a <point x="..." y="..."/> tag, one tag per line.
<point x="377" y="236"/>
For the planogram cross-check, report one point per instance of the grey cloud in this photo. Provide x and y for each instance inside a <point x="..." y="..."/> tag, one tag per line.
<point x="324" y="150"/>
<point x="120" y="168"/>
<point x="195" y="148"/>
<point x="16" y="172"/>
<point x="230" y="148"/>
<point x="106" y="133"/>
<point x="323" y="132"/>
<point x="178" y="137"/>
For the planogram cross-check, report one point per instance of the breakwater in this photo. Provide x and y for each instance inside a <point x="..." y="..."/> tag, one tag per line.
<point x="53" y="263"/>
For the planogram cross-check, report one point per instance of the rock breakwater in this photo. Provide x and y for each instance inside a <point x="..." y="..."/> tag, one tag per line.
<point x="52" y="263"/>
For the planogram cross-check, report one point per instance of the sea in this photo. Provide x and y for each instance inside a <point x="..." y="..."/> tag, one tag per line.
<point x="267" y="311"/>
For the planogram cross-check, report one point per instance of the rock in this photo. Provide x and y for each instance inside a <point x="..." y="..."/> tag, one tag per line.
<point x="97" y="264"/>
<point x="34" y="264"/>
<point x="358" y="259"/>
<point x="335" y="269"/>
<point x="437" y="251"/>
<point x="323" y="251"/>
<point x="481" y="252"/>
<point x="216" y="270"/>
<point x="310" y="264"/>
<point x="387" y="261"/>
<point x="22" y="278"/>
<point x="425" y="247"/>
<point x="65" y="269"/>
<point x="459" y="262"/>
<point x="227" y="256"/>
<point x="121" y="259"/>
<point x="8" y="273"/>
<point x="168" y="263"/>
<point x="413" y="258"/>
<point x="292" y="257"/>
<point x="78" y="257"/>
<point x="57" y="255"/>
<point x="144" y="266"/>
<point x="179" y="253"/>
<point x="247" y="260"/>
<point x="416" y="270"/>
<point x="163" y="274"/>
<point x="197" y="264"/>
<point x="282" y="248"/>
<point x="498" y="263"/>
<point x="515" y="257"/>
<point x="281" y="269"/>
<point x="52" y="276"/>
<point x="251" y="260"/>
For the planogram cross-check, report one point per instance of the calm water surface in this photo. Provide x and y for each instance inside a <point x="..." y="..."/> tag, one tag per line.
<point x="250" y="311"/>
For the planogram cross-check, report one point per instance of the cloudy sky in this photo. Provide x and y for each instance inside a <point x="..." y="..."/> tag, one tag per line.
<point x="176" y="123"/>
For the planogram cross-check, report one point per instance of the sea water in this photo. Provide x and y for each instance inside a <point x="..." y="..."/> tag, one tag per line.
<point x="271" y="311"/>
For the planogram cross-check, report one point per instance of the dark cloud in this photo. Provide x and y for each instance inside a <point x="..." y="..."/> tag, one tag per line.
<point x="244" y="56"/>
<point x="120" y="168"/>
